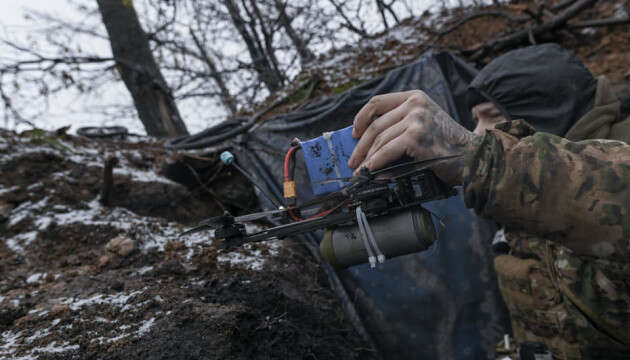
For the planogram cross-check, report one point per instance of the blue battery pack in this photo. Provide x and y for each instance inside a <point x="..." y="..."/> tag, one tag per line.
<point x="326" y="158"/>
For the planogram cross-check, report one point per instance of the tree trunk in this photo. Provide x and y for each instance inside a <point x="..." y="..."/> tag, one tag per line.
<point x="130" y="46"/>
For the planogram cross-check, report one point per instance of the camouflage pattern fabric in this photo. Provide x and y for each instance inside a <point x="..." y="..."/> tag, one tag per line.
<point x="566" y="209"/>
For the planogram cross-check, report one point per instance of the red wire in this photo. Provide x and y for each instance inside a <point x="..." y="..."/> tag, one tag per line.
<point x="321" y="214"/>
<point x="287" y="161"/>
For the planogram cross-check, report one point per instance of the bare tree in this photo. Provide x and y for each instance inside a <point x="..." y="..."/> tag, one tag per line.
<point x="261" y="63"/>
<point x="226" y="98"/>
<point x="152" y="97"/>
<point x="347" y="23"/>
<point x="385" y="7"/>
<point x="300" y="44"/>
<point x="228" y="53"/>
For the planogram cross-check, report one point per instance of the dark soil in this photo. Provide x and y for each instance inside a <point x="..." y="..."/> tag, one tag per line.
<point x="67" y="291"/>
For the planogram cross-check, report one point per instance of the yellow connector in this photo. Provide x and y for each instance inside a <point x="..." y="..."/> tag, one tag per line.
<point x="289" y="189"/>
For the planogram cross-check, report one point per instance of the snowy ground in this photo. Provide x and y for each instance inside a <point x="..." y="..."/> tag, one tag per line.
<point x="80" y="280"/>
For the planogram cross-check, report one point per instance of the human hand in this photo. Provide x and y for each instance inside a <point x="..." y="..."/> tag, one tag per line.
<point x="409" y="123"/>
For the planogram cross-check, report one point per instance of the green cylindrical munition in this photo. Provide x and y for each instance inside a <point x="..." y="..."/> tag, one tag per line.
<point x="395" y="234"/>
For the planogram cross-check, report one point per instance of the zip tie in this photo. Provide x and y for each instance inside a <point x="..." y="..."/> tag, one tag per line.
<point x="366" y="244"/>
<point x="368" y="230"/>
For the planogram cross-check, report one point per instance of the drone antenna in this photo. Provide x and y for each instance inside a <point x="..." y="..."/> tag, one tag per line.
<point x="228" y="159"/>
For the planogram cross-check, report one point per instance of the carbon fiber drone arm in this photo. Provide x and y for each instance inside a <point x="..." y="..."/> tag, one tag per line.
<point x="375" y="196"/>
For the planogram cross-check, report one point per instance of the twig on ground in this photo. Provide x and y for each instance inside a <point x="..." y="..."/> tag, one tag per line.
<point x="203" y="186"/>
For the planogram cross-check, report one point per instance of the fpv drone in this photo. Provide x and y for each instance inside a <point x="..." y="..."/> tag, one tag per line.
<point x="362" y="198"/>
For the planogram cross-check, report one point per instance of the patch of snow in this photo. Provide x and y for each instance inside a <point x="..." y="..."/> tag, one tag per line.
<point x="116" y="338"/>
<point x="35" y="186"/>
<point x="196" y="282"/>
<point x="144" y="270"/>
<point x="8" y="190"/>
<point x="118" y="300"/>
<point x="60" y="208"/>
<point x="9" y="342"/>
<point x="43" y="223"/>
<point x="38" y="312"/>
<point x="18" y="242"/>
<point x="144" y="328"/>
<point x="336" y="60"/>
<point x="38" y="334"/>
<point x="119" y="218"/>
<point x="36" y="278"/>
<point x="52" y="348"/>
<point x="25" y="209"/>
<point x="61" y="174"/>
<point x="143" y="175"/>
<point x="55" y="322"/>
<point x="29" y="150"/>
<point x="254" y="260"/>
<point x="620" y="11"/>
<point x="81" y="159"/>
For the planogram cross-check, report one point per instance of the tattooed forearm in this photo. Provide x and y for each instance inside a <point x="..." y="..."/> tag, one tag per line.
<point x="410" y="124"/>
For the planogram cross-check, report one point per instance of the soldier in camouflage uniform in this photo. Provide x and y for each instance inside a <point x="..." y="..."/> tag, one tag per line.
<point x="565" y="205"/>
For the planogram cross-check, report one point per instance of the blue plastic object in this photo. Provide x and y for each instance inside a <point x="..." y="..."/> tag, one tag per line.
<point x="326" y="158"/>
<point x="227" y="157"/>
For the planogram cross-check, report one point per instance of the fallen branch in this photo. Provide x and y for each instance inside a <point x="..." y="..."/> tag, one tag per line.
<point x="561" y="5"/>
<point x="524" y="35"/>
<point x="600" y="22"/>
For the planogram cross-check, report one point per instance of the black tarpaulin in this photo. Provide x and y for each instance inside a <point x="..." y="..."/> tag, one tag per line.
<point x="441" y="304"/>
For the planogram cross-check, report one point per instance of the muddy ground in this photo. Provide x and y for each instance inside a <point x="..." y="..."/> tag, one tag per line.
<point x="79" y="280"/>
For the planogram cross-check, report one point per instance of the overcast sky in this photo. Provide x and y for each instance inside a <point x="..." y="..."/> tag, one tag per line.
<point x="70" y="107"/>
<point x="77" y="109"/>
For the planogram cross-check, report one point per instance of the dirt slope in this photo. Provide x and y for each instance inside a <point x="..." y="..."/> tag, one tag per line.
<point x="79" y="280"/>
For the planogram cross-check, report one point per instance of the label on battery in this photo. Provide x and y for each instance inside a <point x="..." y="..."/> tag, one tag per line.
<point x="326" y="159"/>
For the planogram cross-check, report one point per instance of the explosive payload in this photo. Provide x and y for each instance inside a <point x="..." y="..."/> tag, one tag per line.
<point x="369" y="217"/>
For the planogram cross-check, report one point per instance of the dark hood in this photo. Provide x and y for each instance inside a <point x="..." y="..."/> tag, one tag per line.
<point x="547" y="85"/>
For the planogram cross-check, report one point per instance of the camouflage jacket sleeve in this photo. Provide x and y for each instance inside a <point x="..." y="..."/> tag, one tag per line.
<point x="574" y="193"/>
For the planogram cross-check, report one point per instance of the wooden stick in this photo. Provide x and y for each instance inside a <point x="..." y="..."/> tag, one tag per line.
<point x="108" y="180"/>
